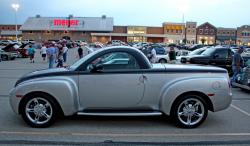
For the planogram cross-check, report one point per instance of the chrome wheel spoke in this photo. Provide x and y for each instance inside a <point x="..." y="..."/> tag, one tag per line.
<point x="198" y="114"/>
<point x="189" y="119"/>
<point x="30" y="110"/>
<point x="196" y="105"/>
<point x="181" y="113"/>
<point x="35" y="101"/>
<point x="46" y="115"/>
<point x="47" y="105"/>
<point x="36" y="119"/>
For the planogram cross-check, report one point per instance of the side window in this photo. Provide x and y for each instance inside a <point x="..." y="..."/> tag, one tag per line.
<point x="114" y="61"/>
<point x="221" y="54"/>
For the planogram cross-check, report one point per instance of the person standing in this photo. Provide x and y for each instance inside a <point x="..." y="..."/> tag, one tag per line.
<point x="153" y="56"/>
<point x="43" y="52"/>
<point x="60" y="58"/>
<point x="31" y="52"/>
<point x="80" y="52"/>
<point x="51" y="53"/>
<point x="237" y="64"/>
<point x="172" y="55"/>
<point x="65" y="51"/>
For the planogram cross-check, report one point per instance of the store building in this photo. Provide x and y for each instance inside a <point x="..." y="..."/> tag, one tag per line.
<point x="190" y="32"/>
<point x="74" y="28"/>
<point x="174" y="32"/>
<point x="226" y="36"/>
<point x="206" y="34"/>
<point x="134" y="34"/>
<point x="243" y="35"/>
<point x="8" y="32"/>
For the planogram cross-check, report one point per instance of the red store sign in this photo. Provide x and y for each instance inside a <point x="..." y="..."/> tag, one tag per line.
<point x="65" y="22"/>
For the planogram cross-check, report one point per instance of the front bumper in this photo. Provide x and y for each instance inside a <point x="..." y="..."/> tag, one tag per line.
<point x="14" y="100"/>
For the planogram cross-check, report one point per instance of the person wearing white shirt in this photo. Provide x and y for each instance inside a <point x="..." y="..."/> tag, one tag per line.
<point x="65" y="51"/>
<point x="43" y="52"/>
<point x="153" y="57"/>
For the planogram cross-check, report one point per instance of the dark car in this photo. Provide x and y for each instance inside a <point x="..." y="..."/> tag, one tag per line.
<point x="186" y="59"/>
<point x="196" y="46"/>
<point x="217" y="56"/>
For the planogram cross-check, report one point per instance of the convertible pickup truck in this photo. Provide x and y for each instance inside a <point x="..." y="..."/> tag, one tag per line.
<point x="120" y="81"/>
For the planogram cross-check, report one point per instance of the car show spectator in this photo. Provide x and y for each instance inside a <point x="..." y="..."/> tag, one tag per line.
<point x="80" y="52"/>
<point x="65" y="51"/>
<point x="43" y="52"/>
<point x="31" y="52"/>
<point x="237" y="63"/>
<point x="172" y="55"/>
<point x="60" y="58"/>
<point x="153" y="56"/>
<point x="51" y="53"/>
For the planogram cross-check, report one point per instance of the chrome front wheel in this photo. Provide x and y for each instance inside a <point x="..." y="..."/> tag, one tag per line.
<point x="39" y="110"/>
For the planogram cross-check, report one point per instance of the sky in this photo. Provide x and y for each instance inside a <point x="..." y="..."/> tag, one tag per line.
<point x="220" y="13"/>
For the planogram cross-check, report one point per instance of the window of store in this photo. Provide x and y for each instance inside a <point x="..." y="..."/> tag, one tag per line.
<point x="211" y="31"/>
<point x="201" y="31"/>
<point x="206" y="31"/>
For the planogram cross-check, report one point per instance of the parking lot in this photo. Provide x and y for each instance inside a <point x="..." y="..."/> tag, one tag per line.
<point x="230" y="126"/>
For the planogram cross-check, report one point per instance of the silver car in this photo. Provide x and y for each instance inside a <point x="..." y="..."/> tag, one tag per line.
<point x="97" y="86"/>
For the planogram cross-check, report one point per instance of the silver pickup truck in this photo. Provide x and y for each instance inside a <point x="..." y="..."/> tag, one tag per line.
<point x="120" y="81"/>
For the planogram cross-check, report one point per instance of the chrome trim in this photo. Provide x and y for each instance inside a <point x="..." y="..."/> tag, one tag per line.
<point x="119" y="114"/>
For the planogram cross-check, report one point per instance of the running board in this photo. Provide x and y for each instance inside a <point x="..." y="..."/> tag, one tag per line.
<point x="119" y="113"/>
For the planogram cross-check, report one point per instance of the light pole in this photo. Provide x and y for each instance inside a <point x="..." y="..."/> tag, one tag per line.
<point x="15" y="7"/>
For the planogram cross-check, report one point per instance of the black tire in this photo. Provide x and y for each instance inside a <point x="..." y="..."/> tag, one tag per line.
<point x="46" y="105"/>
<point x="162" y="61"/>
<point x="189" y="109"/>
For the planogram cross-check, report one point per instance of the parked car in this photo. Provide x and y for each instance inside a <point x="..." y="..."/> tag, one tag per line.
<point x="194" y="47"/>
<point x="13" y="48"/>
<point x="161" y="53"/>
<point x="7" y="55"/>
<point x="23" y="50"/>
<point x="216" y="56"/>
<point x="186" y="59"/>
<point x="92" y="87"/>
<point x="243" y="79"/>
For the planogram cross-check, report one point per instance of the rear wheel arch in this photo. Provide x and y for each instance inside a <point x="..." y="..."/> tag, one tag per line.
<point x="202" y="95"/>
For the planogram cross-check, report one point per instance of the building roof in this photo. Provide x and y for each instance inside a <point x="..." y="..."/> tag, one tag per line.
<point x="173" y="23"/>
<point x="222" y="28"/>
<point x="72" y="24"/>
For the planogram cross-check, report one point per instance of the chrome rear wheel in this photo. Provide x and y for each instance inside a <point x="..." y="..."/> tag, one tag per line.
<point x="190" y="111"/>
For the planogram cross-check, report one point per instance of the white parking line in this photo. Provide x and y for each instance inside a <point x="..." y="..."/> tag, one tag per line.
<point x="122" y="134"/>
<point x="240" y="110"/>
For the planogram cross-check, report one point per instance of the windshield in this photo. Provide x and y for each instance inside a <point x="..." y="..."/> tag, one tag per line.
<point x="79" y="62"/>
<point x="208" y="52"/>
<point x="196" y="52"/>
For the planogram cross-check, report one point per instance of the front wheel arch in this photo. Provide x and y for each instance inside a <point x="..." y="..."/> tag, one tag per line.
<point x="44" y="93"/>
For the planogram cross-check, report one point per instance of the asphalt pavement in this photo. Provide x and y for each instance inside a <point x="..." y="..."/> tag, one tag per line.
<point x="228" y="127"/>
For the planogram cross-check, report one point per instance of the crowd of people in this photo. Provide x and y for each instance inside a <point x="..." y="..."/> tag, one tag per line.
<point x="53" y="53"/>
